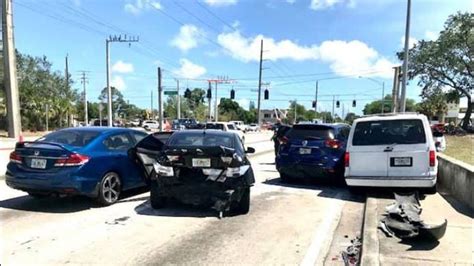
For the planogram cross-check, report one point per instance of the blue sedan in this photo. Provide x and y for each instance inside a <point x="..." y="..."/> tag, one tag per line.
<point x="89" y="161"/>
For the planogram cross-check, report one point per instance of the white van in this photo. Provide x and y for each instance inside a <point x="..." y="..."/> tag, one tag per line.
<point x="395" y="150"/>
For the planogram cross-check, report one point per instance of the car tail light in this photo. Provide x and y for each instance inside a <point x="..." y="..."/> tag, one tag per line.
<point x="283" y="140"/>
<point x="432" y="158"/>
<point x="346" y="159"/>
<point x="333" y="143"/>
<point x="15" y="157"/>
<point x="74" y="159"/>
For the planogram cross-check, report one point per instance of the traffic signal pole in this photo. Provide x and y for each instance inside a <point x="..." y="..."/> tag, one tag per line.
<point x="259" y="116"/>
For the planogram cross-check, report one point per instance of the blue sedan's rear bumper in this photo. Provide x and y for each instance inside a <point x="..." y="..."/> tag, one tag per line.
<point x="66" y="181"/>
<point x="314" y="170"/>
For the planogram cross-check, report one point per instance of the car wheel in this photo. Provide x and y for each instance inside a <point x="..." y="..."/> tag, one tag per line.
<point x="156" y="201"/>
<point x="429" y="191"/>
<point x="242" y="206"/>
<point x="37" y="195"/>
<point x="110" y="188"/>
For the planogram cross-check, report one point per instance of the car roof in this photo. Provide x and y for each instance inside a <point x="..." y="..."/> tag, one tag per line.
<point x="100" y="129"/>
<point x="329" y="125"/>
<point x="391" y="116"/>
<point x="205" y="131"/>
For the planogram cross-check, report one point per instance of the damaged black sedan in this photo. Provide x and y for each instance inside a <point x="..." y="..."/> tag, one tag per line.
<point x="197" y="167"/>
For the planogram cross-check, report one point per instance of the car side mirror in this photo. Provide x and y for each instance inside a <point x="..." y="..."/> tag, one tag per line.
<point x="250" y="150"/>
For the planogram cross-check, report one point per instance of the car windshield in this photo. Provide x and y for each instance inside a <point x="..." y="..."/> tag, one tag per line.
<point x="75" y="138"/>
<point x="201" y="139"/>
<point x="386" y="132"/>
<point x="215" y="126"/>
<point x="310" y="131"/>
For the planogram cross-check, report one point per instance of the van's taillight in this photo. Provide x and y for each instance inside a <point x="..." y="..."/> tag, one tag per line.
<point x="74" y="159"/>
<point x="346" y="159"/>
<point x="15" y="157"/>
<point x="283" y="140"/>
<point x="432" y="158"/>
<point x="333" y="143"/>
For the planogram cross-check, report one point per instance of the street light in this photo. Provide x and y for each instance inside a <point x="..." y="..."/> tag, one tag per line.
<point x="383" y="89"/>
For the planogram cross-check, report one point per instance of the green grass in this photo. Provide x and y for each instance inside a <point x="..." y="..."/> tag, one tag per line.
<point x="461" y="148"/>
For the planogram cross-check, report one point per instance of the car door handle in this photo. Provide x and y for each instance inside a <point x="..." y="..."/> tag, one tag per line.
<point x="388" y="149"/>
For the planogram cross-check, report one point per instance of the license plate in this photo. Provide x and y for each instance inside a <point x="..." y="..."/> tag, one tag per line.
<point x="305" y="150"/>
<point x="38" y="163"/>
<point x="402" y="161"/>
<point x="201" y="162"/>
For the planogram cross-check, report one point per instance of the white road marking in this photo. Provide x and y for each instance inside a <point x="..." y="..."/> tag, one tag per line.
<point x="324" y="233"/>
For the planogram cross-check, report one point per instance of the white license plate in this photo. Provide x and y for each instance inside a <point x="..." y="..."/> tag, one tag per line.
<point x="305" y="150"/>
<point x="201" y="162"/>
<point x="38" y="163"/>
<point x="402" y="161"/>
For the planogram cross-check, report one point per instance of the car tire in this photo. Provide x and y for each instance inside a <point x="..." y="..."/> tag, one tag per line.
<point x="243" y="205"/>
<point x="110" y="189"/>
<point x="37" y="195"/>
<point x="430" y="191"/>
<point x="156" y="201"/>
<point x="284" y="178"/>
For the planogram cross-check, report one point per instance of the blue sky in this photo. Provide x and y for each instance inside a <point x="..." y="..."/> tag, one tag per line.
<point x="334" y="41"/>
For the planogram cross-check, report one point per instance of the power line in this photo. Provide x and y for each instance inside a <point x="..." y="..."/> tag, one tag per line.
<point x="215" y="16"/>
<point x="196" y="17"/>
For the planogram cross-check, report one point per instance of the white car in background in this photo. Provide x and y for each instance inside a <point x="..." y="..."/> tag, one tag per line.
<point x="240" y="125"/>
<point x="253" y="127"/>
<point x="226" y="126"/>
<point x="150" y="124"/>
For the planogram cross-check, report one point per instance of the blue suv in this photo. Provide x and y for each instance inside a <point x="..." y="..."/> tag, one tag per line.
<point x="312" y="151"/>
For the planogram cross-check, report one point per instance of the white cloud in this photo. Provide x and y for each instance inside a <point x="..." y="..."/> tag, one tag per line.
<point x="122" y="67"/>
<point x="218" y="3"/>
<point x="411" y="42"/>
<point x="431" y="35"/>
<point x="244" y="103"/>
<point x="188" y="37"/>
<point x="189" y="70"/>
<point x="324" y="4"/>
<point x="118" y="82"/>
<point x="344" y="57"/>
<point x="137" y="6"/>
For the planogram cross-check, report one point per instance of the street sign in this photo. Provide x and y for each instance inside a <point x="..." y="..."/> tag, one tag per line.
<point x="170" y="92"/>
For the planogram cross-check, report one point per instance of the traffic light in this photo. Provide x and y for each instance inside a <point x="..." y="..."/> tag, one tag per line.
<point x="209" y="93"/>
<point x="338" y="104"/>
<point x="266" y="94"/>
<point x="314" y="104"/>
<point x="232" y="94"/>
<point x="187" y="93"/>
<point x="354" y="103"/>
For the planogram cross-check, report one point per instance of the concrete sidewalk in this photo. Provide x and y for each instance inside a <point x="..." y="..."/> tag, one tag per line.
<point x="455" y="248"/>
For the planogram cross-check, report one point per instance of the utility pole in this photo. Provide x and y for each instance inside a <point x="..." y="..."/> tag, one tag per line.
<point x="151" y="104"/>
<point x="160" y="100"/>
<point x="178" y="100"/>
<point x="47" y="117"/>
<point x="294" y="122"/>
<point x="333" y="100"/>
<point x="9" y="63"/>
<point x="66" y="72"/>
<point x="84" y="81"/>
<point x="343" y="107"/>
<point x="405" y="60"/>
<point x="383" y="96"/>
<point x="107" y="64"/>
<point x="260" y="85"/>
<point x="100" y="113"/>
<point x="209" y="103"/>
<point x="396" y="89"/>
<point x="216" y="104"/>
<point x="316" y="99"/>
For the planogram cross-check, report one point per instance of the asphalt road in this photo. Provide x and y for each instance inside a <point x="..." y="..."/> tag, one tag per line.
<point x="287" y="224"/>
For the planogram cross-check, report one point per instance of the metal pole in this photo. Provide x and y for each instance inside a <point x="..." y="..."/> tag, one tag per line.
<point x="209" y="103"/>
<point x="109" y="89"/>
<point x="160" y="100"/>
<point x="383" y="96"/>
<point x="333" y="99"/>
<point x="47" y="117"/>
<point x="405" y="60"/>
<point x="86" y="111"/>
<point x="316" y="99"/>
<point x="178" y="107"/>
<point x="216" y="106"/>
<point x="294" y="122"/>
<point x="10" y="78"/>
<point x="151" y="105"/>
<point x="395" y="90"/>
<point x="259" y="116"/>
<point x="100" y="114"/>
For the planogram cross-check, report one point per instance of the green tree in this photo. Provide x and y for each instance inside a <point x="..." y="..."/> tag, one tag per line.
<point x="350" y="117"/>
<point x="375" y="107"/>
<point x="434" y="102"/>
<point x="447" y="61"/>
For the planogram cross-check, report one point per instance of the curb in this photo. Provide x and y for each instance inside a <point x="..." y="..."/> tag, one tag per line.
<point x="370" y="240"/>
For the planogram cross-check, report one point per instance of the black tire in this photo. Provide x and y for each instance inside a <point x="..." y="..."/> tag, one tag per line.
<point x="243" y="206"/>
<point x="37" y="195"/>
<point x="284" y="178"/>
<point x="429" y="191"/>
<point x="110" y="189"/>
<point x="156" y="201"/>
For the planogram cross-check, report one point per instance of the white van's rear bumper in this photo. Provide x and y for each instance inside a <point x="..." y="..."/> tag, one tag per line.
<point x="424" y="182"/>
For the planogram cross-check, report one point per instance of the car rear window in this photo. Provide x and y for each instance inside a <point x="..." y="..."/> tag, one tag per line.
<point x="215" y="126"/>
<point x="310" y="131"/>
<point x="230" y="126"/>
<point x="386" y="132"/>
<point x="201" y="140"/>
<point x="79" y="138"/>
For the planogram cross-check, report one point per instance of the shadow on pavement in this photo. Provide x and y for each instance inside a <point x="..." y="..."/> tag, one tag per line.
<point x="61" y="205"/>
<point x="327" y="189"/>
<point x="420" y="245"/>
<point x="175" y="209"/>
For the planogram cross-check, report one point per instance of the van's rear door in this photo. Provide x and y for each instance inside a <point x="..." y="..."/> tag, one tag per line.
<point x="368" y="156"/>
<point x="410" y="156"/>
